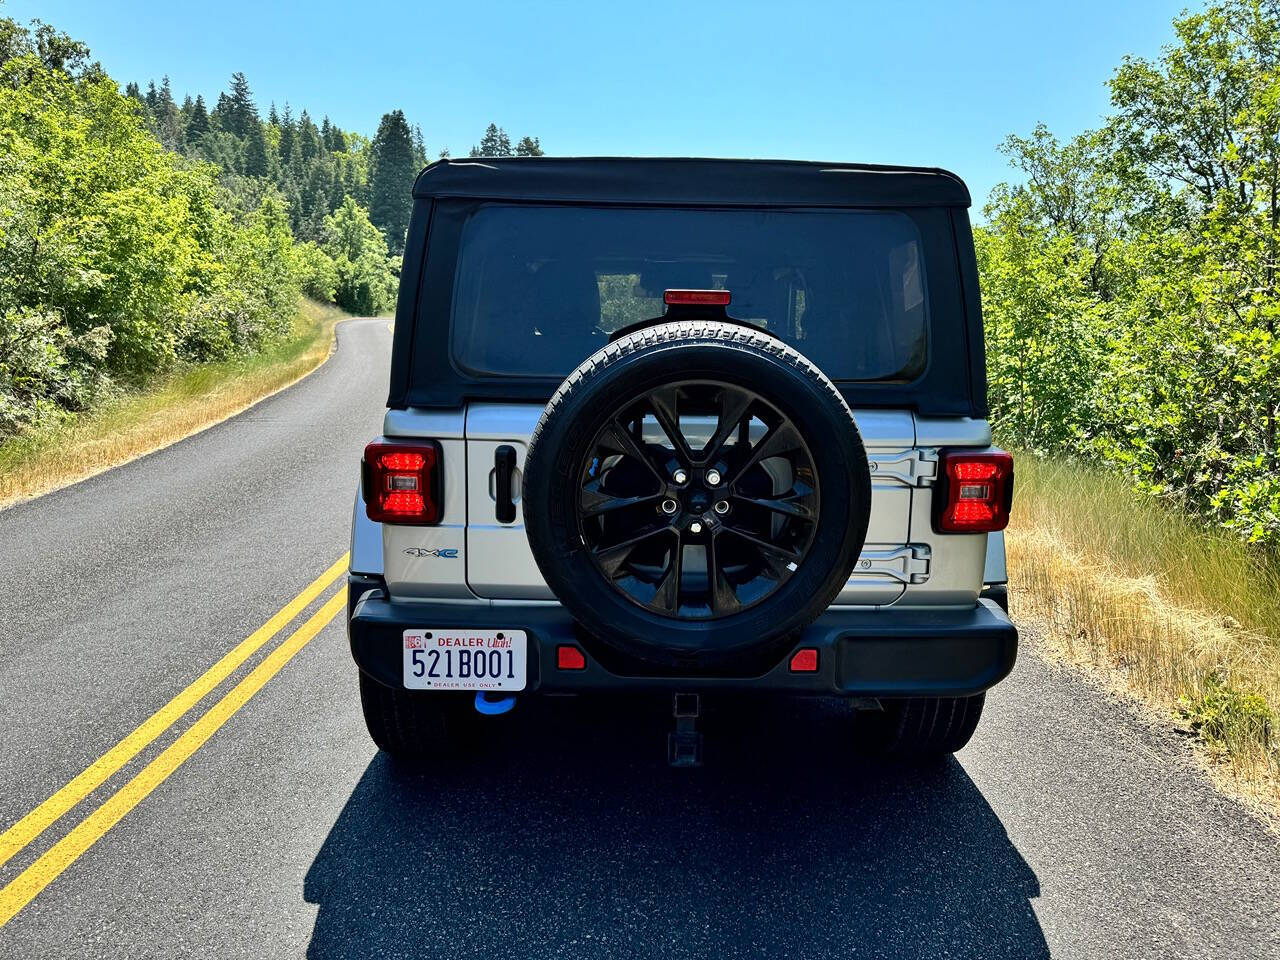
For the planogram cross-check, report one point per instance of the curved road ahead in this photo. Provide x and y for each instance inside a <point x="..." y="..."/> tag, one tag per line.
<point x="261" y="822"/>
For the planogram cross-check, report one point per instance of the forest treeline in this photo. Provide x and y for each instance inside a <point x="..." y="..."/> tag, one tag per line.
<point x="1129" y="281"/>
<point x="138" y="234"/>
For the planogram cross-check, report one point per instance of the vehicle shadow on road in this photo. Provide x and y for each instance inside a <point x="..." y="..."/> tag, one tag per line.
<point x="574" y="838"/>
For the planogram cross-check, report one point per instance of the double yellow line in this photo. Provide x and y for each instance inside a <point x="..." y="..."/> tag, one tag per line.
<point x="62" y="854"/>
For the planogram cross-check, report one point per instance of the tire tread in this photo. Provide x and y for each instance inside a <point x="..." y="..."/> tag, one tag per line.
<point x="926" y="726"/>
<point x="409" y="725"/>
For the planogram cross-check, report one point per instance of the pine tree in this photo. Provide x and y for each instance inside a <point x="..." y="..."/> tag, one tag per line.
<point x="392" y="169"/>
<point x="288" y="137"/>
<point x="242" y="111"/>
<point x="198" y="125"/>
<point x="494" y="143"/>
<point x="350" y="185"/>
<point x="529" y="147"/>
<point x="289" y="187"/>
<point x="313" y="227"/>
<point x="315" y="191"/>
<point x="336" y="192"/>
<point x="419" y="148"/>
<point x="273" y="118"/>
<point x="257" y="163"/>
<point x="221" y="116"/>
<point x="337" y="140"/>
<point x="132" y="91"/>
<point x="308" y="137"/>
<point x="166" y="122"/>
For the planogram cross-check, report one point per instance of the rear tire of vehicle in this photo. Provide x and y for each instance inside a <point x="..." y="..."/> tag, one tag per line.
<point x="416" y="728"/>
<point x="998" y="594"/>
<point x="920" y="729"/>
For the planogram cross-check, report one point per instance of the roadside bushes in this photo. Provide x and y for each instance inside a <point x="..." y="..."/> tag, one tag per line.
<point x="121" y="260"/>
<point x="316" y="272"/>
<point x="118" y="259"/>
<point x="1130" y="284"/>
<point x="365" y="283"/>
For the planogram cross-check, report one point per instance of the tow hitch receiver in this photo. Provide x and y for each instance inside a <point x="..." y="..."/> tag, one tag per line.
<point x="684" y="744"/>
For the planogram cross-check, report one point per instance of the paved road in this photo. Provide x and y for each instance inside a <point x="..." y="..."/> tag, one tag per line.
<point x="1065" y="829"/>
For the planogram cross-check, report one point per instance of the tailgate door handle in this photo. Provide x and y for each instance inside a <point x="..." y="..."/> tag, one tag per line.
<point x="504" y="467"/>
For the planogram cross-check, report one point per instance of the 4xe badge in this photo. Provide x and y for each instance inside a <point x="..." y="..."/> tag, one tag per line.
<point x="444" y="553"/>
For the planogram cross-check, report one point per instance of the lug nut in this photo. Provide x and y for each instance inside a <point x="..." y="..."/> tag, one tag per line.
<point x="695" y="527"/>
<point x="713" y="477"/>
<point x="722" y="506"/>
<point x="679" y="476"/>
<point x="670" y="506"/>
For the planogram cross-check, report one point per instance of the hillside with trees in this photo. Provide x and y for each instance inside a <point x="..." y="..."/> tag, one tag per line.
<point x="139" y="234"/>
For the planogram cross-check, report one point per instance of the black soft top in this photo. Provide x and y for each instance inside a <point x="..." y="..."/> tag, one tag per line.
<point x="424" y="372"/>
<point x="670" y="181"/>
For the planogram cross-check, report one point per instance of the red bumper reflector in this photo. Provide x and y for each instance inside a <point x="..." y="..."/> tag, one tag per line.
<point x="702" y="298"/>
<point x="805" y="661"/>
<point x="570" y="658"/>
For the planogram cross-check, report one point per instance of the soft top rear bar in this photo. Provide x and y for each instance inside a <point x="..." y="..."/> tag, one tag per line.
<point x="696" y="182"/>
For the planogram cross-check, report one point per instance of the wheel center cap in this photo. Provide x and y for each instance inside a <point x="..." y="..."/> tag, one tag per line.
<point x="699" y="501"/>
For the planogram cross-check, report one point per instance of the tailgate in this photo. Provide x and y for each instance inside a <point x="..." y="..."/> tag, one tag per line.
<point x="500" y="565"/>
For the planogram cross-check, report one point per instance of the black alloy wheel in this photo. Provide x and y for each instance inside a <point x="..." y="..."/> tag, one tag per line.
<point x="698" y="523"/>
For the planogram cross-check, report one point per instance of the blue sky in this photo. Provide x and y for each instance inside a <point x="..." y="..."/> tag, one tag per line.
<point x="926" y="82"/>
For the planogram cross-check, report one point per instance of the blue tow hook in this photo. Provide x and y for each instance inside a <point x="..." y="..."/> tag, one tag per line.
<point x="492" y="708"/>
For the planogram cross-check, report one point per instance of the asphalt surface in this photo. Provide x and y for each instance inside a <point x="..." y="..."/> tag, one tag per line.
<point x="1067" y="828"/>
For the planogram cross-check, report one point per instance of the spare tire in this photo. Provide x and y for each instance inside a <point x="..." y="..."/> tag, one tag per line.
<point x="696" y="492"/>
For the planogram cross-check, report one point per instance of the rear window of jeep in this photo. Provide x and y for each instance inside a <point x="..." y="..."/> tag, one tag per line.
<point x="539" y="288"/>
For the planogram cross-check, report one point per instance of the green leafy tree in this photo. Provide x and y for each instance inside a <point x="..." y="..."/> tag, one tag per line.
<point x="119" y="259"/>
<point x="529" y="147"/>
<point x="1129" y="282"/>
<point x="315" y="271"/>
<point x="365" y="281"/>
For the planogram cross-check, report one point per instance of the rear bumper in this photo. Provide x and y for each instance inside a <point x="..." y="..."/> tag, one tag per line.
<point x="861" y="653"/>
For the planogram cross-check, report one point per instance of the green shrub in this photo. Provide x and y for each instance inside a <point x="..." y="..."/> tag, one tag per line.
<point x="315" y="272"/>
<point x="366" y="276"/>
<point x="1130" y="283"/>
<point x="1230" y="718"/>
<point x="118" y="258"/>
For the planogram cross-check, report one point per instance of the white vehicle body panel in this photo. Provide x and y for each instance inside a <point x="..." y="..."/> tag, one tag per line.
<point x="470" y="555"/>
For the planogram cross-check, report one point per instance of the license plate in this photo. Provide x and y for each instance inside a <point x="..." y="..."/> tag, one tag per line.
<point x="464" y="659"/>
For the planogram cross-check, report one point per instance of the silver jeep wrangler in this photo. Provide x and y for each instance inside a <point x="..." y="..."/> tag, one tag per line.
<point x="683" y="426"/>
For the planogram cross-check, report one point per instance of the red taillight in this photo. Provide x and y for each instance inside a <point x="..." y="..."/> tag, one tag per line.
<point x="701" y="298"/>
<point x="973" y="492"/>
<point x="804" y="660"/>
<point x="402" y="481"/>
<point x="569" y="657"/>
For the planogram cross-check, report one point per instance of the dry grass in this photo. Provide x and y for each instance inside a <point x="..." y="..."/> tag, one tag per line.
<point x="1185" y="619"/>
<point x="176" y="407"/>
